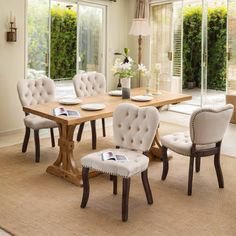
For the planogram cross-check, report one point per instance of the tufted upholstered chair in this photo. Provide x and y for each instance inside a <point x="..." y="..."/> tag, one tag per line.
<point x="90" y="84"/>
<point x="32" y="92"/>
<point x="207" y="128"/>
<point x="134" y="130"/>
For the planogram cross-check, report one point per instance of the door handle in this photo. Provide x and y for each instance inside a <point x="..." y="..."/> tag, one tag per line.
<point x="170" y="55"/>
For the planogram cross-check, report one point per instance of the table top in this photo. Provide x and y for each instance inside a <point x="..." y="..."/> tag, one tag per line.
<point x="46" y="109"/>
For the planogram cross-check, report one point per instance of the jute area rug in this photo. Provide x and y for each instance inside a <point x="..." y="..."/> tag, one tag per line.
<point x="33" y="202"/>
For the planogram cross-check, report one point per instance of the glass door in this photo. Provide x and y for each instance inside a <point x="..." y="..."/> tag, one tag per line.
<point x="215" y="34"/>
<point x="38" y="38"/>
<point x="166" y="44"/>
<point x="231" y="48"/>
<point x="161" y="42"/>
<point x="91" y="37"/>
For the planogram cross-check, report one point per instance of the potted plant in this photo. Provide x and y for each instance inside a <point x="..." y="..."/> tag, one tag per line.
<point x="191" y="83"/>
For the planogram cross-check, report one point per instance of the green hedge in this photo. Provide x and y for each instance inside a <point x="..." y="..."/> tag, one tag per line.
<point x="217" y="34"/>
<point x="63" y="43"/>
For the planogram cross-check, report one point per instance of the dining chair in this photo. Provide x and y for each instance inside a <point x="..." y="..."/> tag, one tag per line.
<point x="90" y="84"/>
<point x="134" y="130"/>
<point x="33" y="92"/>
<point x="207" y="128"/>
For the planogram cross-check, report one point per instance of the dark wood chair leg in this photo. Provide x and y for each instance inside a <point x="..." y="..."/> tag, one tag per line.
<point x="111" y="177"/>
<point x="146" y="186"/>
<point x="80" y="132"/>
<point x="218" y="168"/>
<point x="85" y="172"/>
<point x="37" y="145"/>
<point x="198" y="164"/>
<point x="125" y="198"/>
<point x="26" y="139"/>
<point x="190" y="175"/>
<point x="114" y="185"/>
<point x="165" y="163"/>
<point x="103" y="128"/>
<point x="52" y="137"/>
<point x="94" y="135"/>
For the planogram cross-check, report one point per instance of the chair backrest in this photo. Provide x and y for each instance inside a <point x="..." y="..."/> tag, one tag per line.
<point x="134" y="127"/>
<point x="208" y="125"/>
<point x="89" y="84"/>
<point x="36" y="91"/>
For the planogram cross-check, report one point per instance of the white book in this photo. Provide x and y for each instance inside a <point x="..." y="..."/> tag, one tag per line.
<point x="61" y="111"/>
<point x="114" y="157"/>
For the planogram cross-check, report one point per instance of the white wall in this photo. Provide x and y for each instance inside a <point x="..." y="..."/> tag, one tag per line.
<point x="12" y="54"/>
<point x="11" y="65"/>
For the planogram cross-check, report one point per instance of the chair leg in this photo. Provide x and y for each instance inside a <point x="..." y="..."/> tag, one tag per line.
<point x="103" y="128"/>
<point x="125" y="198"/>
<point x="85" y="179"/>
<point x="94" y="135"/>
<point x="52" y="137"/>
<point x="146" y="186"/>
<point x="190" y="175"/>
<point x="218" y="170"/>
<point x="37" y="145"/>
<point x="114" y="185"/>
<point x="165" y="163"/>
<point x="198" y="164"/>
<point x="80" y="132"/>
<point x="26" y="139"/>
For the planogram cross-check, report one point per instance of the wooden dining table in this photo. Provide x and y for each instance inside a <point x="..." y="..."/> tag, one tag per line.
<point x="65" y="165"/>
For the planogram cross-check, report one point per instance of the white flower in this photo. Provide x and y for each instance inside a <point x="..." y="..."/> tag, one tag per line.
<point x="126" y="66"/>
<point x="142" y="68"/>
<point x="130" y="59"/>
<point x="157" y="68"/>
<point x="79" y="59"/>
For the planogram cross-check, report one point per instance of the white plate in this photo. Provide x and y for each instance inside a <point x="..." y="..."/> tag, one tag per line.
<point x="69" y="101"/>
<point x="115" y="93"/>
<point x="93" y="106"/>
<point x="142" y="98"/>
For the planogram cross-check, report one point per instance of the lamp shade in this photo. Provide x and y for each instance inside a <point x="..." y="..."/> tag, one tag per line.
<point x="140" y="26"/>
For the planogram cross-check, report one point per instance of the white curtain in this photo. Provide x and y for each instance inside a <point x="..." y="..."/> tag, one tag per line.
<point x="142" y="9"/>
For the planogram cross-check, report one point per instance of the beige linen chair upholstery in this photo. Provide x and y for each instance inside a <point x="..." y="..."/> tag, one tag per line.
<point x="207" y="128"/>
<point x="90" y="84"/>
<point x="32" y="92"/>
<point x="134" y="131"/>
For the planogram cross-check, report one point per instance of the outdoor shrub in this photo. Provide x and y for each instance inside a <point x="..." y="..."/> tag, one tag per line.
<point x="217" y="33"/>
<point x="63" y="43"/>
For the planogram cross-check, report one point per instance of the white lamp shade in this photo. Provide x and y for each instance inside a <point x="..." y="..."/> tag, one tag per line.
<point x="140" y="26"/>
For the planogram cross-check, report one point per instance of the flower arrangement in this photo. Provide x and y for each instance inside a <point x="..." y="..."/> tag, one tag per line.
<point x="126" y="67"/>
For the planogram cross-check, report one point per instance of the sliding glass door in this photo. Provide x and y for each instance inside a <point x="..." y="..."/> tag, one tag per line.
<point x="91" y="37"/>
<point x="38" y="38"/>
<point x="166" y="44"/>
<point x="231" y="48"/>
<point x="65" y="37"/>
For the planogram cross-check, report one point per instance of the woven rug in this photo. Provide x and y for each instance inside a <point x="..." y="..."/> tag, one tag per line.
<point x="34" y="203"/>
